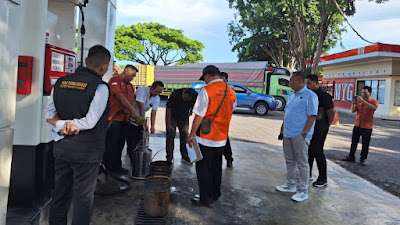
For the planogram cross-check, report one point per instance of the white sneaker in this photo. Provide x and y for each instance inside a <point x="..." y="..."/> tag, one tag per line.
<point x="285" y="188"/>
<point x="300" y="196"/>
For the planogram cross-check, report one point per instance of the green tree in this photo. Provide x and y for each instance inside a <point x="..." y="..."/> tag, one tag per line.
<point x="291" y="32"/>
<point x="154" y="43"/>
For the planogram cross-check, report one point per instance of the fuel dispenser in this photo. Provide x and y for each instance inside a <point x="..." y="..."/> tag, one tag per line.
<point x="59" y="62"/>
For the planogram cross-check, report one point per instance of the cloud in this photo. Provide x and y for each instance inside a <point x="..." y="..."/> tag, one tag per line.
<point x="385" y="31"/>
<point x="374" y="22"/>
<point x="194" y="17"/>
<point x="369" y="11"/>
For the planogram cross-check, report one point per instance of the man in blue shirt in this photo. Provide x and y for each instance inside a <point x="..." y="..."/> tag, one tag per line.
<point x="296" y="131"/>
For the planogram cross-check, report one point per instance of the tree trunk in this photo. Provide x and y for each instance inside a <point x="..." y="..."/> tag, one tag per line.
<point x="326" y="19"/>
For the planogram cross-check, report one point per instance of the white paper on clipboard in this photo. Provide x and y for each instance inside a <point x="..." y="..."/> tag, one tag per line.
<point x="194" y="152"/>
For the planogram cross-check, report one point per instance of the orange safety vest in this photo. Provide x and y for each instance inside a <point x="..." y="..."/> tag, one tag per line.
<point x="220" y="124"/>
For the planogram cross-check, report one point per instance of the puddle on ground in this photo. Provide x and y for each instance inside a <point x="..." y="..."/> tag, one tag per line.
<point x="174" y="189"/>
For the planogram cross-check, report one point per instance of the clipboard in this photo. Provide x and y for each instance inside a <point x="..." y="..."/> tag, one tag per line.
<point x="194" y="153"/>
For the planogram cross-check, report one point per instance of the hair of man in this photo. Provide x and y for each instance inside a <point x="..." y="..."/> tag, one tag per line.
<point x="191" y="92"/>
<point x="223" y="74"/>
<point x="131" y="67"/>
<point x="211" y="70"/>
<point x="98" y="56"/>
<point x="299" y="75"/>
<point x="156" y="84"/>
<point x="368" y="88"/>
<point x="312" y="77"/>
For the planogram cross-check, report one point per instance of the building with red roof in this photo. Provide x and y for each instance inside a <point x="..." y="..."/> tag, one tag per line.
<point x="377" y="66"/>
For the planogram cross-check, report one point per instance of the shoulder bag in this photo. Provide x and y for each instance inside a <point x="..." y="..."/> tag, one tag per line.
<point x="205" y="125"/>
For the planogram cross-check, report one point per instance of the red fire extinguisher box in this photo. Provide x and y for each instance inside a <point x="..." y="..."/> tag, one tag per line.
<point x="24" y="80"/>
<point x="59" y="62"/>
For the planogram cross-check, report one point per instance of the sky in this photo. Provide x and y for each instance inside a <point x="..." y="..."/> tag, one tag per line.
<point x="207" y="21"/>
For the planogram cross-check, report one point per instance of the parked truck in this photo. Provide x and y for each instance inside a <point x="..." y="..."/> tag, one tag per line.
<point x="256" y="76"/>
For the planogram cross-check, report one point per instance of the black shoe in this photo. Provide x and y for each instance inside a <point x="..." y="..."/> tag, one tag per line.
<point x="196" y="201"/>
<point x="320" y="183"/>
<point x="349" y="159"/>
<point x="362" y="162"/>
<point x="228" y="163"/>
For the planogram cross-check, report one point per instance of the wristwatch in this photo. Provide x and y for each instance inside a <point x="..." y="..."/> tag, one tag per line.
<point x="304" y="133"/>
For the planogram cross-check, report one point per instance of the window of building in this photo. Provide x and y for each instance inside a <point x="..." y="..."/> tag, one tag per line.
<point x="397" y="93"/>
<point x="374" y="86"/>
<point x="378" y="89"/>
<point x="381" y="91"/>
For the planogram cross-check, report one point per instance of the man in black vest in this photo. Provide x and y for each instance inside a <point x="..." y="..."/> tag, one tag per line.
<point x="80" y="101"/>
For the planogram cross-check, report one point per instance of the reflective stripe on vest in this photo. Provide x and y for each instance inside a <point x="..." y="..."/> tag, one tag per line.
<point x="220" y="124"/>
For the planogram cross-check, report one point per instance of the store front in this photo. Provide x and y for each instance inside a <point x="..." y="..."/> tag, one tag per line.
<point x="377" y="66"/>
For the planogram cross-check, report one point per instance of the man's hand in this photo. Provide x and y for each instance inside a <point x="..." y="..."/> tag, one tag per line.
<point x="169" y="127"/>
<point x="69" y="129"/>
<point x="139" y="120"/>
<point x="152" y="130"/>
<point x="54" y="120"/>
<point x="190" y="139"/>
<point x="304" y="136"/>
<point x="360" y="99"/>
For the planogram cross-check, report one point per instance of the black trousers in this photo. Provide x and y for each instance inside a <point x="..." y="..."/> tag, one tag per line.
<point x="74" y="182"/>
<point x="183" y="127"/>
<point x="117" y="134"/>
<point x="209" y="173"/>
<point x="316" y="151"/>
<point x="366" y="138"/>
<point x="228" y="151"/>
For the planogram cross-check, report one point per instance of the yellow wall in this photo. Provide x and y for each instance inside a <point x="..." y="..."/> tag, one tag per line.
<point x="360" y="69"/>
<point x="396" y="67"/>
<point x="394" y="111"/>
<point x="145" y="76"/>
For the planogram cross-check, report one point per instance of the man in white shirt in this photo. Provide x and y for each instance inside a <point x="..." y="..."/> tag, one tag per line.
<point x="215" y="102"/>
<point x="146" y="98"/>
<point x="78" y="101"/>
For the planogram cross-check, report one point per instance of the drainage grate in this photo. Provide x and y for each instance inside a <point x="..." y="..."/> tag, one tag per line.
<point x="142" y="218"/>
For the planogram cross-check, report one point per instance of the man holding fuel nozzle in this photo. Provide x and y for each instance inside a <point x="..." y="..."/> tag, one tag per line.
<point x="147" y="98"/>
<point x="122" y="100"/>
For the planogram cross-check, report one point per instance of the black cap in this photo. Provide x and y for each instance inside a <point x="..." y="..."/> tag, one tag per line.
<point x="210" y="69"/>
<point x="202" y="77"/>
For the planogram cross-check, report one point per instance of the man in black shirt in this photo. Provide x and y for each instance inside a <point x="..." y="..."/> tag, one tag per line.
<point x="228" y="149"/>
<point x="179" y="108"/>
<point x="323" y="121"/>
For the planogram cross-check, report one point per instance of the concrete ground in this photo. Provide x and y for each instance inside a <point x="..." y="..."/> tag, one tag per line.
<point x="249" y="195"/>
<point x="248" y="189"/>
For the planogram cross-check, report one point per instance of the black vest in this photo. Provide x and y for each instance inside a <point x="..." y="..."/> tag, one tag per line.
<point x="72" y="97"/>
